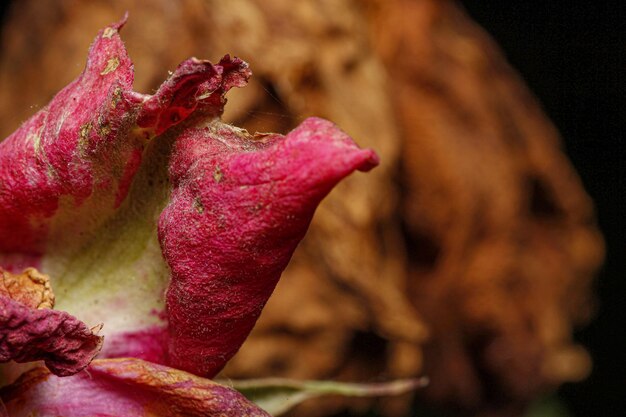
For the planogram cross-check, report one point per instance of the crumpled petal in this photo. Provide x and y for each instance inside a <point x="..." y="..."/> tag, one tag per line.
<point x="196" y="86"/>
<point x="239" y="207"/>
<point x="30" y="331"/>
<point x="123" y="387"/>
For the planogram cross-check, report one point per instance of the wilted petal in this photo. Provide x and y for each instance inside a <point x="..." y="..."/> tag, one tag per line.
<point x="30" y="331"/>
<point x="123" y="387"/>
<point x="239" y="207"/>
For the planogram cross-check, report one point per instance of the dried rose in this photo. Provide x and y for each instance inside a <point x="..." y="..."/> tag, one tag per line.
<point x="88" y="183"/>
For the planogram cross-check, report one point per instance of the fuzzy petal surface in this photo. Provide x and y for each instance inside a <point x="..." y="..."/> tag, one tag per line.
<point x="239" y="207"/>
<point x="67" y="168"/>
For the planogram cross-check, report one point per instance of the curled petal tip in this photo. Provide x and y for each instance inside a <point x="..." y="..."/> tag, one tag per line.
<point x="196" y="88"/>
<point x="120" y="23"/>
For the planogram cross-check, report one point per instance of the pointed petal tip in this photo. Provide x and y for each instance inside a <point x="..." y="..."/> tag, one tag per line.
<point x="370" y="160"/>
<point x="120" y="23"/>
<point x="365" y="159"/>
<point x="113" y="29"/>
<point x="336" y="153"/>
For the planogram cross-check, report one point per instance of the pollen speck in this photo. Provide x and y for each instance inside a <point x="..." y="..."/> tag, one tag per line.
<point x="108" y="33"/>
<point x="111" y="66"/>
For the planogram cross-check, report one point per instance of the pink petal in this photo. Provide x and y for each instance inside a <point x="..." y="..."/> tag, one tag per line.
<point x="123" y="387"/>
<point x="74" y="149"/>
<point x="196" y="86"/>
<point x="239" y="207"/>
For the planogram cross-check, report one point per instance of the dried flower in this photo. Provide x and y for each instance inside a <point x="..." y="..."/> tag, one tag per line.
<point x="85" y="185"/>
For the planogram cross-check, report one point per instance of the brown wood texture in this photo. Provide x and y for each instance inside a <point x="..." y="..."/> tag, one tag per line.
<point x="466" y="256"/>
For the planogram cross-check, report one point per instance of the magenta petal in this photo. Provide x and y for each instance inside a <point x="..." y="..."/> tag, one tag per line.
<point x="124" y="387"/>
<point x="65" y="151"/>
<point x="196" y="86"/>
<point x="65" y="343"/>
<point x="239" y="207"/>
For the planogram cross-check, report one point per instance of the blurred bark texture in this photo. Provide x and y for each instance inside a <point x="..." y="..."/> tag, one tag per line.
<point x="467" y="256"/>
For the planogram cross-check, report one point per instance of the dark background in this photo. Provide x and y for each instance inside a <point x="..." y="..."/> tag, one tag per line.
<point x="572" y="56"/>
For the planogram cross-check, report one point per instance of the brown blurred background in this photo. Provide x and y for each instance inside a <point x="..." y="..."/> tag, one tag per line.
<point x="469" y="254"/>
<point x="573" y="56"/>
